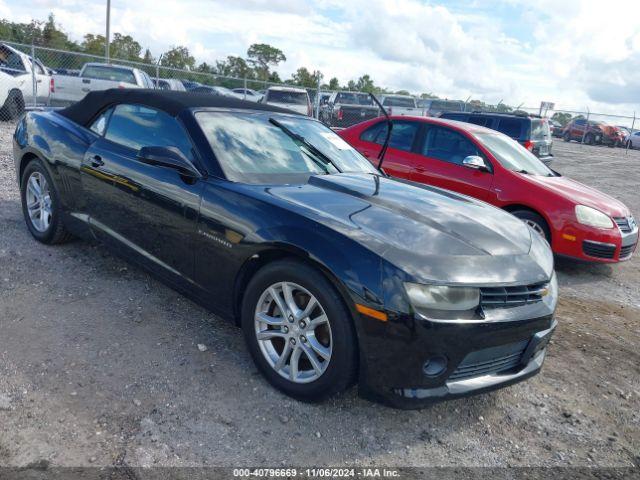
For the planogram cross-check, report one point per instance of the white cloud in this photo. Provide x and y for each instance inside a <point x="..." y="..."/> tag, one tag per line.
<point x="574" y="52"/>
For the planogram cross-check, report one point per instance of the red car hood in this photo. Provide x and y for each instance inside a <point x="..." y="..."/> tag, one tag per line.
<point x="581" y="194"/>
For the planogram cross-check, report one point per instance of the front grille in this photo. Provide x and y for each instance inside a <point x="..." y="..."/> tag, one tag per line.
<point x="599" y="250"/>
<point x="500" y="297"/>
<point x="623" y="223"/>
<point x="490" y="361"/>
<point x="627" y="251"/>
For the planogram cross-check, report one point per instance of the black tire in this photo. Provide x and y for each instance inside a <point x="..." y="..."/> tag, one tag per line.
<point x="566" y="137"/>
<point x="588" y="139"/>
<point x="340" y="373"/>
<point x="13" y="106"/>
<point x="531" y="217"/>
<point x="56" y="232"/>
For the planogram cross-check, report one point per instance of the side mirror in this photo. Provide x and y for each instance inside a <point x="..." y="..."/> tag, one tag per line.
<point x="476" y="162"/>
<point x="168" y="157"/>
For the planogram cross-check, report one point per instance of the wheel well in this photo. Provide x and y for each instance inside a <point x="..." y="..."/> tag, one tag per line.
<point x="24" y="161"/>
<point x="516" y="207"/>
<point x="256" y="262"/>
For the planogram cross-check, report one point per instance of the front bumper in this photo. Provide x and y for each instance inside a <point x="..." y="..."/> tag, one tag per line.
<point x="394" y="355"/>
<point x="595" y="245"/>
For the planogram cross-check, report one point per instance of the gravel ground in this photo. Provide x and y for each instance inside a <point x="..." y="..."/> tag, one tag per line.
<point x="100" y="365"/>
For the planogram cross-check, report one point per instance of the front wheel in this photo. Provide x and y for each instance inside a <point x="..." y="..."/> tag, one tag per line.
<point x="536" y="222"/>
<point x="566" y="137"/>
<point x="299" y="332"/>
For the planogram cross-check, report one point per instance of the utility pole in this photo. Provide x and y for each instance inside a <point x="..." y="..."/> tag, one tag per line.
<point x="106" y="47"/>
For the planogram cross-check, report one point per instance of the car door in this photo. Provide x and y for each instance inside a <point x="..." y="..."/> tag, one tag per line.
<point x="43" y="87"/>
<point x="146" y="211"/>
<point x="400" y="158"/>
<point x="442" y="151"/>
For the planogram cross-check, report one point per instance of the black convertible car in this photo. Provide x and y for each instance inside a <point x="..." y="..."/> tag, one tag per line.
<point x="336" y="273"/>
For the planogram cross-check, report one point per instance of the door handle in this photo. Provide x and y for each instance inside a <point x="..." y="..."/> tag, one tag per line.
<point x="97" y="161"/>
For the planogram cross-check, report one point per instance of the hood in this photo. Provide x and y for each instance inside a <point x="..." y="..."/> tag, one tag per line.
<point x="432" y="234"/>
<point x="579" y="194"/>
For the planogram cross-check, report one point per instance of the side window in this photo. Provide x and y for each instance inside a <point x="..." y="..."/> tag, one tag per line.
<point x="479" y="120"/>
<point x="580" y="122"/>
<point x="447" y="145"/>
<point x="511" y="127"/>
<point x="373" y="132"/>
<point x="135" y="126"/>
<point x="403" y="134"/>
<point x="99" y="125"/>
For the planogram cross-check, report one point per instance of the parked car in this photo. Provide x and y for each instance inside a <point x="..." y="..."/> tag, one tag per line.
<point x="343" y="109"/>
<point x="96" y="76"/>
<point x="215" y="90"/>
<point x="168" y="84"/>
<point x="336" y="274"/>
<point x="189" y="84"/>
<point x="578" y="221"/>
<point x="17" y="71"/>
<point x="248" y="94"/>
<point x="531" y="131"/>
<point x="434" y="107"/>
<point x="634" y="140"/>
<point x="626" y="134"/>
<point x="294" y="99"/>
<point x="556" y="128"/>
<point x="400" y="105"/>
<point x="593" y="132"/>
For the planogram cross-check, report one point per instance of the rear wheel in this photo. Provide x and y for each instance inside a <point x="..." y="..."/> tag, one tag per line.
<point x="536" y="222"/>
<point x="566" y="137"/>
<point x="299" y="332"/>
<point x="41" y="206"/>
<point x="588" y="139"/>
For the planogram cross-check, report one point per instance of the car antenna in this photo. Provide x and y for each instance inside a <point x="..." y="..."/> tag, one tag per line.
<point x="385" y="145"/>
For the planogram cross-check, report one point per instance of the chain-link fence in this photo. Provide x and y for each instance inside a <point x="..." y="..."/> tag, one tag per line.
<point x="33" y="76"/>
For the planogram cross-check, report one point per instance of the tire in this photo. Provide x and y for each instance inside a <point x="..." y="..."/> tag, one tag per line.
<point x="534" y="220"/>
<point x="52" y="231"/>
<point x="336" y="337"/>
<point x="588" y="139"/>
<point x="566" y="137"/>
<point x="13" y="106"/>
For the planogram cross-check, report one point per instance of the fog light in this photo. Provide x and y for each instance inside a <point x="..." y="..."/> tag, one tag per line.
<point x="435" y="366"/>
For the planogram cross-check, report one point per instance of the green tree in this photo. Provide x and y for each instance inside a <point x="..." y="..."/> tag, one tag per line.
<point x="148" y="58"/>
<point x="304" y="78"/>
<point x="365" y="84"/>
<point x="403" y="92"/>
<point x="178" y="57"/>
<point x="93" y="44"/>
<point x="334" y="84"/>
<point x="52" y="36"/>
<point x="562" y="118"/>
<point x="234" y="67"/>
<point x="125" y="47"/>
<point x="428" y="95"/>
<point x="262" y="57"/>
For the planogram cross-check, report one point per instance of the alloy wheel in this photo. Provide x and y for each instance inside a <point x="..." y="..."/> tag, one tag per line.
<point x="293" y="332"/>
<point x="536" y="227"/>
<point x="38" y="196"/>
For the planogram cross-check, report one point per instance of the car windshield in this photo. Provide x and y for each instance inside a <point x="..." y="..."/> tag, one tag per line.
<point x="399" y="102"/>
<point x="512" y="155"/>
<point x="540" y="130"/>
<point x="269" y="148"/>
<point x="349" y="98"/>
<point x="280" y="96"/>
<point x="113" y="74"/>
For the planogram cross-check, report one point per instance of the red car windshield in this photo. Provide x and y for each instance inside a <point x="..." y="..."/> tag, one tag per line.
<point x="512" y="155"/>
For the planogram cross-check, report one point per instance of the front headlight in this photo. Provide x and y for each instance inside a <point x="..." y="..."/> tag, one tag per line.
<point x="592" y="217"/>
<point x="442" y="297"/>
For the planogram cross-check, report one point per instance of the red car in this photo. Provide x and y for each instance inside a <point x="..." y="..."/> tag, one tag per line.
<point x="578" y="221"/>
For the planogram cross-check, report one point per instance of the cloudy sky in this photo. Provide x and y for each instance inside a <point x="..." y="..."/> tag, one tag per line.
<point x="574" y="53"/>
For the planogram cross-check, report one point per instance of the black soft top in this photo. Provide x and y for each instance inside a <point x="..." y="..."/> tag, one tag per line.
<point x="172" y="102"/>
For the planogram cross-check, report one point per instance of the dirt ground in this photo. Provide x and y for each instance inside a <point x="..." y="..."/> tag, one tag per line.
<point x="99" y="366"/>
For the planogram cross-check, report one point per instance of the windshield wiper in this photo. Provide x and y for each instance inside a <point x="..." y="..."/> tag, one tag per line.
<point x="309" y="146"/>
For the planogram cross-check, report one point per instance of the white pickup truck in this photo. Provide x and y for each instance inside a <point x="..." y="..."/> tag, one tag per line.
<point x="400" y="105"/>
<point x="17" y="75"/>
<point x="68" y="89"/>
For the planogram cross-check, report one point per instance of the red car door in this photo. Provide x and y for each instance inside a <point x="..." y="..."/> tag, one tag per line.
<point x="442" y="151"/>
<point x="399" y="160"/>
